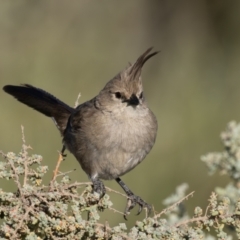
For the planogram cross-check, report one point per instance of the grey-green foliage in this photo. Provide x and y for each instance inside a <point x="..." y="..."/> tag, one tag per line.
<point x="227" y="162"/>
<point x="55" y="211"/>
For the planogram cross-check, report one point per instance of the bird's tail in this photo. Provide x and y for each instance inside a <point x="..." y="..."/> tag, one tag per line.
<point x="43" y="102"/>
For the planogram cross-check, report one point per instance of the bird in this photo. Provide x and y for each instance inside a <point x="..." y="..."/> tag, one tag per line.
<point x="110" y="134"/>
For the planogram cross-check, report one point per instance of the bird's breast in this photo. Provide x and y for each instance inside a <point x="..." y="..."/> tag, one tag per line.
<point x="110" y="145"/>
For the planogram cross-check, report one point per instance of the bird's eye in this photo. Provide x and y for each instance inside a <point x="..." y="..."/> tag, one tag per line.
<point x="141" y="95"/>
<point x="118" y="95"/>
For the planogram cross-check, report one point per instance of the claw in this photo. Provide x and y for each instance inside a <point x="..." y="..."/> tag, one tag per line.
<point x="131" y="203"/>
<point x="139" y="210"/>
<point x="149" y="209"/>
<point x="133" y="200"/>
<point x="62" y="152"/>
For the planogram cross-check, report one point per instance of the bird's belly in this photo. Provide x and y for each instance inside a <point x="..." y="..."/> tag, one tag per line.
<point x="115" y="164"/>
<point x="121" y="152"/>
<point x="111" y="154"/>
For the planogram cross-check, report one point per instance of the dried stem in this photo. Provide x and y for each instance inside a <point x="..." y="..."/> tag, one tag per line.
<point x="16" y="176"/>
<point x="55" y="172"/>
<point x="77" y="100"/>
<point x="25" y="153"/>
<point x="174" y="205"/>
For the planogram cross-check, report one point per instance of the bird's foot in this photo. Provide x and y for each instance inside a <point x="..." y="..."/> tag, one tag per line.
<point x="131" y="203"/>
<point x="99" y="187"/>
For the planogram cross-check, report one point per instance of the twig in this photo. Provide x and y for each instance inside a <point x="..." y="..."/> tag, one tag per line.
<point x="25" y="163"/>
<point x="3" y="154"/>
<point x="174" y="205"/>
<point x="77" y="184"/>
<point x="55" y="172"/>
<point x="191" y="221"/>
<point x="22" y="220"/>
<point x="208" y="206"/>
<point x="65" y="173"/>
<point x="77" y="103"/>
<point x="111" y="190"/>
<point x="115" y="210"/>
<point x="23" y="137"/>
<point x="16" y="177"/>
<point x="108" y="229"/>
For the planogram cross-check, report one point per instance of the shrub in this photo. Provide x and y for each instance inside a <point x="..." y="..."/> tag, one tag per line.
<point x="55" y="211"/>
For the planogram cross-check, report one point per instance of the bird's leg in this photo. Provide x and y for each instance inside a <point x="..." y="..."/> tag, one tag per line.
<point x="63" y="150"/>
<point x="133" y="200"/>
<point x="98" y="186"/>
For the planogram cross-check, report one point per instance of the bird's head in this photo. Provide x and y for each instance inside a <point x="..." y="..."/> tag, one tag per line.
<point x="125" y="89"/>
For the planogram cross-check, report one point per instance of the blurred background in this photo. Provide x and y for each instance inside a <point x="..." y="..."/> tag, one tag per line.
<point x="192" y="85"/>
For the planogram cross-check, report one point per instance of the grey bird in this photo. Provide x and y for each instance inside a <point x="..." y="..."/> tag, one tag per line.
<point x="110" y="134"/>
